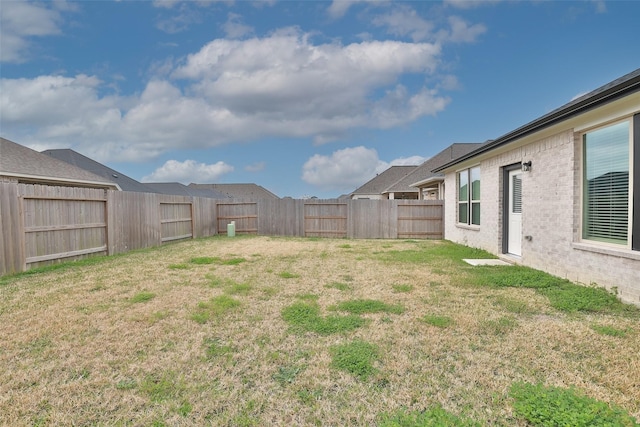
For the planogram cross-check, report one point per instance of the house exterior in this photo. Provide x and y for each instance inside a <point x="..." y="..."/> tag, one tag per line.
<point x="76" y="159"/>
<point x="379" y="187"/>
<point x="559" y="194"/>
<point x="430" y="185"/>
<point x="178" y="189"/>
<point x="24" y="165"/>
<point x="237" y="191"/>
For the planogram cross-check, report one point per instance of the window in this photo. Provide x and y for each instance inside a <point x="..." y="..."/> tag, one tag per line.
<point x="607" y="189"/>
<point x="469" y="196"/>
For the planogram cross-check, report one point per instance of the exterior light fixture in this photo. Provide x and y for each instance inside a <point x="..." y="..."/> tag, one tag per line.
<point x="526" y="166"/>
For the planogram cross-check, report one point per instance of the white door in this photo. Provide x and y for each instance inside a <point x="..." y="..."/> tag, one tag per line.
<point x="515" y="212"/>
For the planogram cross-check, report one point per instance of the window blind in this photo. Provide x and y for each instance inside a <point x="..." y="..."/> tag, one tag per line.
<point x="606" y="184"/>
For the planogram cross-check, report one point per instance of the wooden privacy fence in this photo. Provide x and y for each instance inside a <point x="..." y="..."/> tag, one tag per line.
<point x="42" y="224"/>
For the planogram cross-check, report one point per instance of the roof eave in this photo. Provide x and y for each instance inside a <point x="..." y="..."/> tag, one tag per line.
<point x="572" y="109"/>
<point x="428" y="181"/>
<point x="62" y="181"/>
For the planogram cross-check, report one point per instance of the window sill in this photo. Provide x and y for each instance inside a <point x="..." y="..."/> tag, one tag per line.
<point x="607" y="250"/>
<point x="468" y="227"/>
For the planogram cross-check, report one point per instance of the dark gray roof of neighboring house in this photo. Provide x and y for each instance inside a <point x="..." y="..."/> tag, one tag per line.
<point x="74" y="158"/>
<point x="238" y="191"/>
<point x="382" y="181"/>
<point x="178" y="189"/>
<point x="616" y="89"/>
<point x="28" y="165"/>
<point x="425" y="170"/>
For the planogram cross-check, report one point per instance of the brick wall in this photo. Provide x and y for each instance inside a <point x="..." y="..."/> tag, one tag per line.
<point x="551" y="216"/>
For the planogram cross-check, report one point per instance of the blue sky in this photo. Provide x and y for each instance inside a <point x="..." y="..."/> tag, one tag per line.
<point x="304" y="98"/>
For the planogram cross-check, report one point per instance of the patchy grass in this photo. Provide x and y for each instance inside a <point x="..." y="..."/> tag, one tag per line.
<point x="402" y="288"/>
<point x="142" y="297"/>
<point x="356" y="357"/>
<point x="288" y="275"/>
<point x="432" y="417"/>
<point x="361" y="306"/>
<point x="555" y="406"/>
<point x="438" y="321"/>
<point x="339" y="286"/>
<point x="214" y="348"/>
<point x="232" y="343"/>
<point x="305" y="317"/>
<point x="216" y="306"/>
<point x="563" y="295"/>
<point x="610" y="331"/>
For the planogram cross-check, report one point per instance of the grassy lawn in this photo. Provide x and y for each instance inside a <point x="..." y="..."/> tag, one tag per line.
<point x="276" y="331"/>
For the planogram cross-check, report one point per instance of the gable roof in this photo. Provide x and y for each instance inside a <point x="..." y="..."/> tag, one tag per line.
<point x="425" y="172"/>
<point x="618" y="88"/>
<point x="74" y="158"/>
<point x="238" y="191"/>
<point x="379" y="183"/>
<point x="178" y="189"/>
<point x="27" y="165"/>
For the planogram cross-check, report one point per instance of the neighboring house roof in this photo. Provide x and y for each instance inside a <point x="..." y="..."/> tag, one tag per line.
<point x="381" y="182"/>
<point x="178" y="189"/>
<point x="611" y="91"/>
<point x="424" y="172"/>
<point x="74" y="158"/>
<point x="27" y="165"/>
<point x="238" y="191"/>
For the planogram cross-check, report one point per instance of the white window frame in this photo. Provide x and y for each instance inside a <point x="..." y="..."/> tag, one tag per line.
<point x="470" y="201"/>
<point x="630" y="203"/>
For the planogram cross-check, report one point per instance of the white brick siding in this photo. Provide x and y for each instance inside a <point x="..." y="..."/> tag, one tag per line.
<point x="551" y="215"/>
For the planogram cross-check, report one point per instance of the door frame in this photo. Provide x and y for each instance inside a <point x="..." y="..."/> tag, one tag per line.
<point x="505" y="204"/>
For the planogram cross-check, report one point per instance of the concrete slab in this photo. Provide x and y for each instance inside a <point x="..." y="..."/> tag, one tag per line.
<point x="486" y="262"/>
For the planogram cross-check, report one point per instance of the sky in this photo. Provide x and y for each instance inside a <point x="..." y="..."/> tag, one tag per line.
<point x="305" y="98"/>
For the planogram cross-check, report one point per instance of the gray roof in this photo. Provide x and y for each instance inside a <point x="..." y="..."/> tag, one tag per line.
<point x="382" y="181"/>
<point x="178" y="189"/>
<point x="74" y="158"/>
<point x="616" y="89"/>
<point x="425" y="170"/>
<point x="28" y="165"/>
<point x="238" y="191"/>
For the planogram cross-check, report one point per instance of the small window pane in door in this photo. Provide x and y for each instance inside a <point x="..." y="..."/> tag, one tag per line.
<point x="516" y="194"/>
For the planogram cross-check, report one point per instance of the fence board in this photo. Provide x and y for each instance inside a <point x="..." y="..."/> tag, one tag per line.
<point x="282" y="217"/>
<point x="205" y="217"/>
<point x="11" y="235"/>
<point x="176" y="218"/>
<point x="422" y="220"/>
<point x="325" y="219"/>
<point x="134" y="220"/>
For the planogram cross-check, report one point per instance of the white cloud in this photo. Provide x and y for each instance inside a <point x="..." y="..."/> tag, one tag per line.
<point x="234" y="28"/>
<point x="404" y="21"/>
<point x="281" y="86"/>
<point x="462" y="32"/>
<point x="601" y="6"/>
<point x="349" y="168"/>
<point x="339" y="8"/>
<point x="20" y="21"/>
<point x="408" y="161"/>
<point x="343" y="170"/>
<point x="179" y="22"/>
<point x="470" y="4"/>
<point x="306" y="89"/>
<point x="188" y="171"/>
